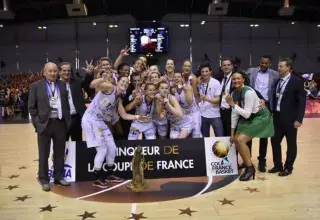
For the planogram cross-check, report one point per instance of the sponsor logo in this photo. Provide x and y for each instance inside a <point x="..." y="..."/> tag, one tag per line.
<point x="67" y="174"/>
<point x="221" y="165"/>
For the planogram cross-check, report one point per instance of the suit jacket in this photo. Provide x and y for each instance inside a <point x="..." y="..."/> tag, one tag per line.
<point x="293" y="102"/>
<point x="86" y="85"/>
<point x="77" y="96"/>
<point x="39" y="107"/>
<point x="274" y="76"/>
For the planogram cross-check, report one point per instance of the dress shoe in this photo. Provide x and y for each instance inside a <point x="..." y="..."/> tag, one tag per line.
<point x="262" y="168"/>
<point x="62" y="182"/>
<point x="46" y="187"/>
<point x="275" y="170"/>
<point x="285" y="172"/>
<point x="248" y="173"/>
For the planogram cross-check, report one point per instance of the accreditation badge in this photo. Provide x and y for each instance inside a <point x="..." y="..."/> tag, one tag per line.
<point x="53" y="102"/>
<point x="278" y="95"/>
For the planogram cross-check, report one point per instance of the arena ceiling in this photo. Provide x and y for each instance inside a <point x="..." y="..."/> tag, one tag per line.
<point x="148" y="10"/>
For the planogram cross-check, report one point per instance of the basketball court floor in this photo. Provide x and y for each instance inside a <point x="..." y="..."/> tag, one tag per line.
<point x="268" y="197"/>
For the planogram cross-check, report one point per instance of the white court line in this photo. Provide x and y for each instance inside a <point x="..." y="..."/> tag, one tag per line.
<point x="133" y="208"/>
<point x="207" y="186"/>
<point x="105" y="190"/>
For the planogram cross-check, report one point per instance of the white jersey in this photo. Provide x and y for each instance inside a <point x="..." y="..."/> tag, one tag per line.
<point x="174" y="120"/>
<point x="145" y="109"/>
<point x="181" y="97"/>
<point x="178" y="124"/>
<point x="102" y="106"/>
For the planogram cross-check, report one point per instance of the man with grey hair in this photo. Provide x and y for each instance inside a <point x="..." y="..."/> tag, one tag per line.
<point x="50" y="115"/>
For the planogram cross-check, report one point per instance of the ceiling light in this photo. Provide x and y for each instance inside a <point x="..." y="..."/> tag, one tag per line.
<point x="256" y="25"/>
<point x="1" y="25"/>
<point x="94" y="23"/>
<point x="292" y="22"/>
<point x="181" y="25"/>
<point x="251" y="25"/>
<point x="186" y="25"/>
<point x="154" y="21"/>
<point x="44" y="27"/>
<point x="115" y="26"/>
<point x="40" y="27"/>
<point x="110" y="26"/>
<point x="203" y="22"/>
<point x="318" y="26"/>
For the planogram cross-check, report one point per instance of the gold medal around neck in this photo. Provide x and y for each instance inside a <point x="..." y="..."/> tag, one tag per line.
<point x="53" y="99"/>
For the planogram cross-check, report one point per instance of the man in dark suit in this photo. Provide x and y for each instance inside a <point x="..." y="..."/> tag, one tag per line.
<point x="263" y="79"/>
<point x="288" y="112"/>
<point x="50" y="114"/>
<point x="227" y="88"/>
<point x="76" y="101"/>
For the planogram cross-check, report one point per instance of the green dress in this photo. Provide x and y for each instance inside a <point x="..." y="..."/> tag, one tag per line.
<point x="259" y="124"/>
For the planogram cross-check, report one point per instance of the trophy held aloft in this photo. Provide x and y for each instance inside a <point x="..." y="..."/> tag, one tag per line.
<point x="138" y="183"/>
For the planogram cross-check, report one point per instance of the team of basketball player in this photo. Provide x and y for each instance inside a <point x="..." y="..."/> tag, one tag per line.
<point x="160" y="104"/>
<point x="176" y="104"/>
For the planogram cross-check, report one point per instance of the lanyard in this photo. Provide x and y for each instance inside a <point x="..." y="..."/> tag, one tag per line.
<point x="204" y="92"/>
<point x="282" y="84"/>
<point x="225" y="84"/>
<point x="56" y="88"/>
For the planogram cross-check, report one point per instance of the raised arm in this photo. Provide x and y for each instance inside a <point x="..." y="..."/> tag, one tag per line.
<point x="123" y="114"/>
<point x="136" y="102"/>
<point x="123" y="53"/>
<point x="102" y="84"/>
<point x="189" y="94"/>
<point x="174" y="106"/>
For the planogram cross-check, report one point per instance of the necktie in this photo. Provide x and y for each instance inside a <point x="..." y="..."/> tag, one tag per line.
<point x="224" y="83"/>
<point x="59" y="109"/>
<point x="52" y="90"/>
<point x="279" y="87"/>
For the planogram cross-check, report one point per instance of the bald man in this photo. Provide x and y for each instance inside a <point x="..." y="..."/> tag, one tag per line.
<point x="50" y="114"/>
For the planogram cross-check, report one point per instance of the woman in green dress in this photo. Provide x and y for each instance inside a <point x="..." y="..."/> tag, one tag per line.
<point x="248" y="121"/>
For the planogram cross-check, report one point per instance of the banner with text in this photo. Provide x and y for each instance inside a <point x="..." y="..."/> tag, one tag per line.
<point x="69" y="162"/>
<point x="163" y="158"/>
<point x="221" y="157"/>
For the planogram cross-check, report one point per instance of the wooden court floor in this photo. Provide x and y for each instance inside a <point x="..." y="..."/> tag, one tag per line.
<point x="269" y="197"/>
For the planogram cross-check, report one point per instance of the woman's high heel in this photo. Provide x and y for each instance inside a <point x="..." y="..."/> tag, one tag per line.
<point x="248" y="173"/>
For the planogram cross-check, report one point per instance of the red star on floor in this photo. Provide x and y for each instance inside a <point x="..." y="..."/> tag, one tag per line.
<point x="187" y="211"/>
<point x="137" y="216"/>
